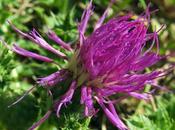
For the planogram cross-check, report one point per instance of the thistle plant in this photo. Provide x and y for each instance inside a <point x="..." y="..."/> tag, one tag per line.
<point x="110" y="61"/>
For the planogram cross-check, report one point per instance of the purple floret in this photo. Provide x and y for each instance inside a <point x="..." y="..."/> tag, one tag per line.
<point x="53" y="79"/>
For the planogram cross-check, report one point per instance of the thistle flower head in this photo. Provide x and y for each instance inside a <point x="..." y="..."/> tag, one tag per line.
<point x="113" y="50"/>
<point x="109" y="61"/>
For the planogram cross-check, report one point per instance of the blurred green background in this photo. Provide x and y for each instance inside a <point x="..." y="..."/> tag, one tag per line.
<point x="18" y="74"/>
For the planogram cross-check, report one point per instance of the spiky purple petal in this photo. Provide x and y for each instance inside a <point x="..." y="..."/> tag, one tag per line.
<point x="111" y="114"/>
<point x="144" y="61"/>
<point x="35" y="37"/>
<point x="84" y="20"/>
<point x="52" y="35"/>
<point x="53" y="79"/>
<point x="86" y="99"/>
<point x="101" y="20"/>
<point x="43" y="119"/>
<point x="41" y="42"/>
<point x="27" y="53"/>
<point x="144" y="96"/>
<point x="66" y="98"/>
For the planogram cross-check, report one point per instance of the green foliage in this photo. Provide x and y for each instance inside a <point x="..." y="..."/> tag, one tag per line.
<point x="73" y="122"/>
<point x="143" y="3"/>
<point x="18" y="117"/>
<point x="18" y="74"/>
<point x="6" y="65"/>
<point x="162" y="119"/>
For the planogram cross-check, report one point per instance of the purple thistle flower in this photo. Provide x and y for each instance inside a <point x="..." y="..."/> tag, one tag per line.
<point x="109" y="61"/>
